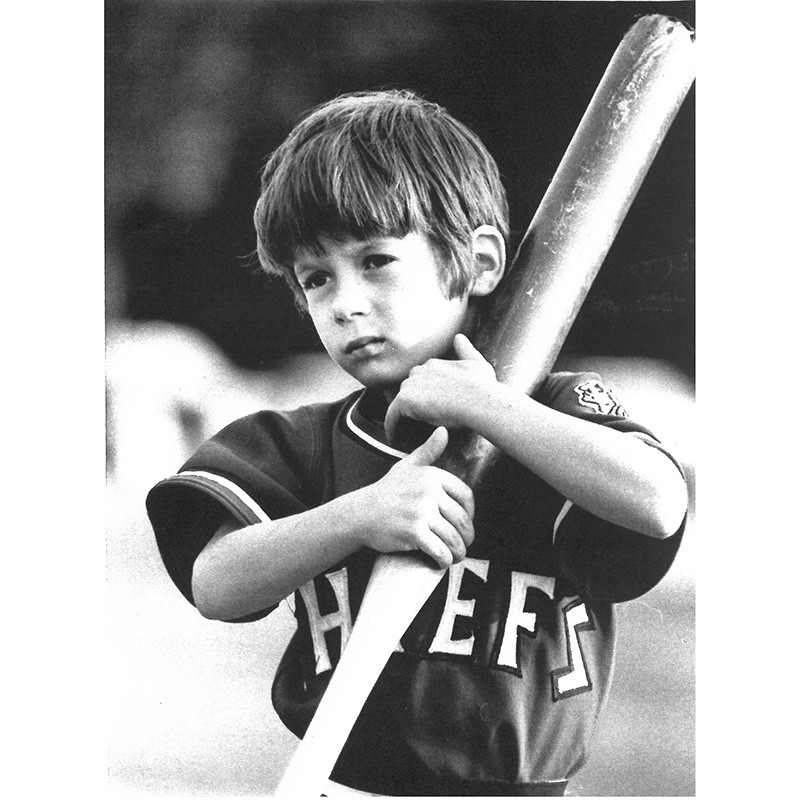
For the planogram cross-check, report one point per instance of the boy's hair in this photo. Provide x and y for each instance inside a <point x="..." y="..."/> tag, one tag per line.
<point x="370" y="164"/>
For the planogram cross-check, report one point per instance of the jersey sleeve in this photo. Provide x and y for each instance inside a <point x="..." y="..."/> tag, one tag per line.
<point x="258" y="468"/>
<point x="604" y="561"/>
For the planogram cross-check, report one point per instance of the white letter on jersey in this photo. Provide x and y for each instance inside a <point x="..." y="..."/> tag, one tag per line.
<point x="454" y="607"/>
<point x="574" y="678"/>
<point x="517" y="616"/>
<point x="319" y="624"/>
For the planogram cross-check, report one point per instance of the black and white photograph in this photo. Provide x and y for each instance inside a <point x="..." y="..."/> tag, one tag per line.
<point x="400" y="367"/>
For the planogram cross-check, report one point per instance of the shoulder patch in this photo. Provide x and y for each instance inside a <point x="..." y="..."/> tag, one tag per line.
<point x="593" y="394"/>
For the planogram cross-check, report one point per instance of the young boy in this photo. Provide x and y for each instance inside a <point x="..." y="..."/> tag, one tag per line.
<point x="389" y="220"/>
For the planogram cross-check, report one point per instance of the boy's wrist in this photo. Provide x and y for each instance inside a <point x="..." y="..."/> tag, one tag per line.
<point x="365" y="513"/>
<point x="350" y="516"/>
<point x="479" y="409"/>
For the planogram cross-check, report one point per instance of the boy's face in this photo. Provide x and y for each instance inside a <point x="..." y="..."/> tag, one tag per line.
<point x="379" y="305"/>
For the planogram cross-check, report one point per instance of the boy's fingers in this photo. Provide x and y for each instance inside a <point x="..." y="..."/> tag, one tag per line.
<point x="430" y="449"/>
<point x="455" y="514"/>
<point x="391" y="420"/>
<point x="459" y="491"/>
<point x="433" y="545"/>
<point x="451" y="540"/>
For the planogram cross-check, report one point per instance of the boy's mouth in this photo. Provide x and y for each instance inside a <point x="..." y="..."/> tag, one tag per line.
<point x="364" y="344"/>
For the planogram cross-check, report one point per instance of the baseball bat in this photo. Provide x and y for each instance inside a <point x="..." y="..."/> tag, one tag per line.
<point x="574" y="226"/>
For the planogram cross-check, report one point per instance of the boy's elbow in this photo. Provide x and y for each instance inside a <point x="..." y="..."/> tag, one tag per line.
<point x="224" y="601"/>
<point x="206" y="609"/>
<point x="206" y="596"/>
<point x="668" y="509"/>
<point x="664" y="526"/>
<point x="208" y="612"/>
<point x="212" y="609"/>
<point x="203" y="601"/>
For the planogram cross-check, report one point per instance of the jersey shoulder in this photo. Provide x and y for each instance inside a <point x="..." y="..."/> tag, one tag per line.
<point x="266" y="465"/>
<point x="605" y="562"/>
<point x="580" y="394"/>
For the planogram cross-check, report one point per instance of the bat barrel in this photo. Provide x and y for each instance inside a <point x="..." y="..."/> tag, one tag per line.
<point x="579" y="216"/>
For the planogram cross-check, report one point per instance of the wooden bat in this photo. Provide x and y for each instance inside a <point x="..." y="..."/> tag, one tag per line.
<point x="576" y="222"/>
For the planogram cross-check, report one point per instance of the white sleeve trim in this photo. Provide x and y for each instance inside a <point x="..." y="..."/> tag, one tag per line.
<point x="233" y="489"/>
<point x="559" y="519"/>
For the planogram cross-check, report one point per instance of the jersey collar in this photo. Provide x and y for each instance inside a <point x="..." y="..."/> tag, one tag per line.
<point x="364" y="419"/>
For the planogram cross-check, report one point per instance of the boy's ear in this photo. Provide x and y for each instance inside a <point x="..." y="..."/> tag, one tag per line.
<point x="489" y="252"/>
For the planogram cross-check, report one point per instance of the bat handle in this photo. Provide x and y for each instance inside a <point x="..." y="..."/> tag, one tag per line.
<point x="468" y="456"/>
<point x="408" y="581"/>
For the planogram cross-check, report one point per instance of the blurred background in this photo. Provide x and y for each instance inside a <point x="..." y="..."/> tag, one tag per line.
<point x="197" y="94"/>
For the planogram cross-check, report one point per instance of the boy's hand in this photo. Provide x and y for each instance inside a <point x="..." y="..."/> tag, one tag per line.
<point x="443" y="392"/>
<point x="416" y="506"/>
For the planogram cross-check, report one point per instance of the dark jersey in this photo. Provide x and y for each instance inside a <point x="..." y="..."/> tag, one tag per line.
<point x="497" y="685"/>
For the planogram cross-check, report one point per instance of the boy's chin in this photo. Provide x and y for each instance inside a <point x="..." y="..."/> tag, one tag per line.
<point x="375" y="377"/>
<point x="386" y="384"/>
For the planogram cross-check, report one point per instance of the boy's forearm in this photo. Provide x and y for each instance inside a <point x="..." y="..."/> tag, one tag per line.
<point x="613" y="475"/>
<point x="414" y="506"/>
<point x="247" y="570"/>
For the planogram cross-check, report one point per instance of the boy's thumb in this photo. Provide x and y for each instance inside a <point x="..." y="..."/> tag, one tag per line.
<point x="430" y="449"/>
<point x="465" y="349"/>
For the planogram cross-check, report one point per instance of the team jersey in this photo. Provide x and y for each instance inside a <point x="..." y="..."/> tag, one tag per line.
<point x="498" y="683"/>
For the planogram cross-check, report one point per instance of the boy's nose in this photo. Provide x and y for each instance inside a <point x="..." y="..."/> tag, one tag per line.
<point x="351" y="300"/>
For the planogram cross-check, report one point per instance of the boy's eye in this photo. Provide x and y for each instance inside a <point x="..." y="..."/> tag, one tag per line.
<point x="378" y="260"/>
<point x="314" y="280"/>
